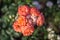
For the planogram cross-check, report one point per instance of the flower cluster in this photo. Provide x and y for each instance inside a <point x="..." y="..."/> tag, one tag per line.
<point x="28" y="17"/>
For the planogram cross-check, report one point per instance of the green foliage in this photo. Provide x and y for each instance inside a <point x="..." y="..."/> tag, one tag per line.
<point x="9" y="11"/>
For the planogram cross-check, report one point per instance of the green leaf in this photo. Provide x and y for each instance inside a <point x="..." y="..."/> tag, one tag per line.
<point x="36" y="32"/>
<point x="28" y="1"/>
<point x="7" y="1"/>
<point x="24" y="38"/>
<point x="4" y="9"/>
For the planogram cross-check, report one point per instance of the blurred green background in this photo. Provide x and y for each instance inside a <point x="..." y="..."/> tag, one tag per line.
<point x="49" y="31"/>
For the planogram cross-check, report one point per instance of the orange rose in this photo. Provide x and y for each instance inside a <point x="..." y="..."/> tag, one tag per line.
<point x="27" y="30"/>
<point x="28" y="17"/>
<point x="34" y="11"/>
<point x="22" y="20"/>
<point x="23" y="10"/>
<point x="40" y="20"/>
<point x="16" y="27"/>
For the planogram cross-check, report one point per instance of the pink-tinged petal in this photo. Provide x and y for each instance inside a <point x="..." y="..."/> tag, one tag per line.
<point x="40" y="20"/>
